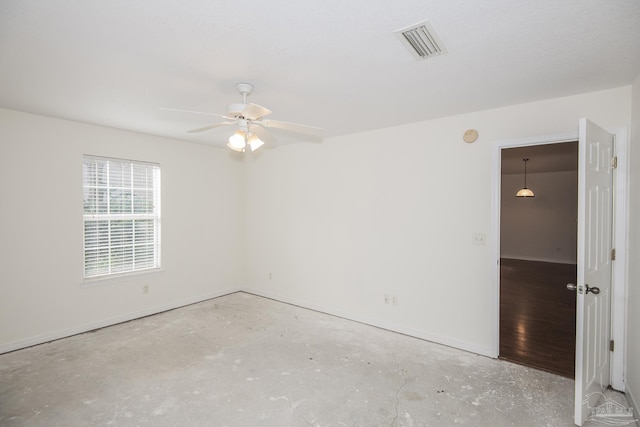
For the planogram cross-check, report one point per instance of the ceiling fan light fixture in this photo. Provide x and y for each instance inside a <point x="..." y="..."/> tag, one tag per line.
<point x="245" y="117"/>
<point x="237" y="141"/>
<point x="254" y="142"/>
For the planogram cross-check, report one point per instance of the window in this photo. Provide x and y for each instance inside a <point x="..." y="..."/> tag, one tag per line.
<point x="121" y="216"/>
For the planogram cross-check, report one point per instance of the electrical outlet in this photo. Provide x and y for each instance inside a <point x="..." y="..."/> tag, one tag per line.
<point x="394" y="299"/>
<point x="270" y="277"/>
<point x="145" y="289"/>
<point x="387" y="299"/>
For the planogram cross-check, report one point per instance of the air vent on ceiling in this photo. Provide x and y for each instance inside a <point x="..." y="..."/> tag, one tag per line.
<point x="421" y="40"/>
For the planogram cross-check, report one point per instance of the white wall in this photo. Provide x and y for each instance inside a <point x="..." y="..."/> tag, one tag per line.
<point x="392" y="211"/>
<point x="633" y="301"/>
<point x="544" y="227"/>
<point x="41" y="291"/>
<point x="337" y="225"/>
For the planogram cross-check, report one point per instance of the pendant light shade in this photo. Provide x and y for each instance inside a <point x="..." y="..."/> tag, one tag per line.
<point x="525" y="192"/>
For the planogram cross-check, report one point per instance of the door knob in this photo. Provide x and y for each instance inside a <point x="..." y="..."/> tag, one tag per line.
<point x="571" y="286"/>
<point x="595" y="290"/>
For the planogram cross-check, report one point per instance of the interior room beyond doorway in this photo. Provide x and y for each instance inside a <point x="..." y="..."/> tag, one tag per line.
<point x="538" y="249"/>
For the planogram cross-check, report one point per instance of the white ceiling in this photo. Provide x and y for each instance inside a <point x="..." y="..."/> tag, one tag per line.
<point x="334" y="64"/>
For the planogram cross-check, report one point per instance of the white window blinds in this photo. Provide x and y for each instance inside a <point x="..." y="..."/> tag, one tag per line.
<point x="121" y="216"/>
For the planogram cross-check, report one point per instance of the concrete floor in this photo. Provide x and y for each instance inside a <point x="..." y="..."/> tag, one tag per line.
<point x="242" y="360"/>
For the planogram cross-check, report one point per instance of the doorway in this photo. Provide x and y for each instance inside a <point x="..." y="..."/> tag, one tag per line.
<point x="538" y="251"/>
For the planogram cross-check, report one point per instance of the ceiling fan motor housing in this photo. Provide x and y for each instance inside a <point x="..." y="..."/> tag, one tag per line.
<point x="235" y="110"/>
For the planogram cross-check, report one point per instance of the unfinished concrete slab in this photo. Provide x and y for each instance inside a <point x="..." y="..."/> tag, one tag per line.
<point x="243" y="360"/>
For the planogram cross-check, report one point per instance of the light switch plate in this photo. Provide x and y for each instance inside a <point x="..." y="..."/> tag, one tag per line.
<point x="479" y="239"/>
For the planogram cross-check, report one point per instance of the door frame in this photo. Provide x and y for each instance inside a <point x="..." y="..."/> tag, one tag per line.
<point x="620" y="215"/>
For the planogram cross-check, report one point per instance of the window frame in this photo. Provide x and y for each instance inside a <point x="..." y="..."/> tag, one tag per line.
<point x="131" y="216"/>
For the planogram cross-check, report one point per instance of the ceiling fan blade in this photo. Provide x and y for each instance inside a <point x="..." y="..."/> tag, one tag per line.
<point x="211" y="127"/>
<point x="311" y="131"/>
<point x="197" y="112"/>
<point x="255" y="111"/>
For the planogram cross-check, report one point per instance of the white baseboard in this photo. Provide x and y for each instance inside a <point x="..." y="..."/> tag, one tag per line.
<point x="633" y="402"/>
<point x="416" y="333"/>
<point x="79" y="329"/>
<point x="549" y="260"/>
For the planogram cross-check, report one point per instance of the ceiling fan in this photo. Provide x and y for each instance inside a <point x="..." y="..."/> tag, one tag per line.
<point x="251" y="125"/>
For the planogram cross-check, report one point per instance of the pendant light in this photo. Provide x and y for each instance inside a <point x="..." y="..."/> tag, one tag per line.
<point x="525" y="192"/>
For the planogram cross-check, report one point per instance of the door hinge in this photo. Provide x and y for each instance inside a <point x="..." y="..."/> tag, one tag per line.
<point x="613" y="254"/>
<point x="611" y="345"/>
<point x="614" y="162"/>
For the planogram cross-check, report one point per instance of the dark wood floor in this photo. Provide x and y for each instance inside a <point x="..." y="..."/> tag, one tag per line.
<point x="537" y="315"/>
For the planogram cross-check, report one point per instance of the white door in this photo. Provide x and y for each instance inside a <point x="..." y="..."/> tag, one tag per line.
<point x="595" y="226"/>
